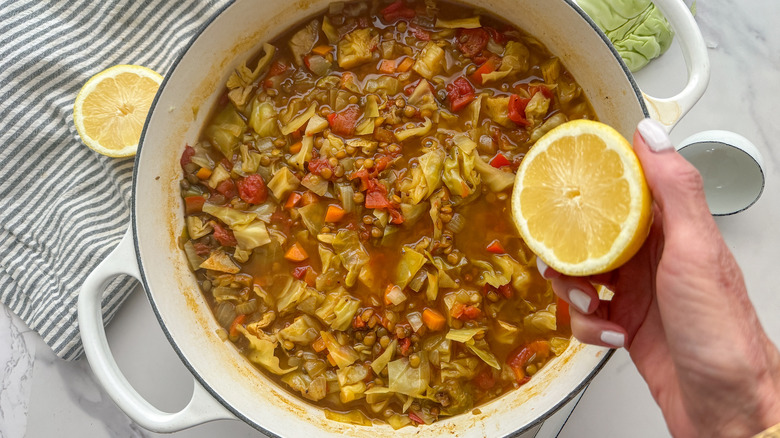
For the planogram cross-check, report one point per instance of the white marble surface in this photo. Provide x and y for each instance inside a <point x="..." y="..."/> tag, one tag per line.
<point x="42" y="396"/>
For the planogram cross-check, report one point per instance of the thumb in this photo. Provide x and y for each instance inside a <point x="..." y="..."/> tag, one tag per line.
<point x="676" y="185"/>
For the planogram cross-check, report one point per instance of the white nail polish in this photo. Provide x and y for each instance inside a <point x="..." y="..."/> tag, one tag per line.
<point x="580" y="300"/>
<point x="541" y="266"/>
<point x="613" y="339"/>
<point x="655" y="135"/>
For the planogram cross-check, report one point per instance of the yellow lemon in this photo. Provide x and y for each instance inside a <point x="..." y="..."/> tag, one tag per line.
<point x="580" y="199"/>
<point x="110" y="110"/>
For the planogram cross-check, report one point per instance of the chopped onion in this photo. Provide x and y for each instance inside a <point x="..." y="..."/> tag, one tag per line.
<point x="396" y="296"/>
<point x="247" y="308"/>
<point x="457" y="223"/>
<point x="419" y="279"/>
<point x="415" y="320"/>
<point x="225" y="313"/>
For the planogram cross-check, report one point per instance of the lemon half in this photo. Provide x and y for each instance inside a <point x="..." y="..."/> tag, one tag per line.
<point x="580" y="200"/>
<point x="111" y="108"/>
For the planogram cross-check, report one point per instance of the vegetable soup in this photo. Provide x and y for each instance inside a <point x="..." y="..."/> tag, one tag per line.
<point x="347" y="209"/>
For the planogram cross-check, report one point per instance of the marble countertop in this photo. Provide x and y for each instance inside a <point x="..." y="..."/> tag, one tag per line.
<point x="42" y="396"/>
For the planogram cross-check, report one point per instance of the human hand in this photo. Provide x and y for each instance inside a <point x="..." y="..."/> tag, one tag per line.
<point x="681" y="308"/>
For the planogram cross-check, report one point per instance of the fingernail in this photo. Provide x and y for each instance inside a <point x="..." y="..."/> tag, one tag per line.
<point x="542" y="267"/>
<point x="655" y="135"/>
<point x="580" y="300"/>
<point x="613" y="339"/>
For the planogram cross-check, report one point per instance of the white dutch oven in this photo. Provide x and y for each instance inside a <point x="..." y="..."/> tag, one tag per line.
<point x="226" y="385"/>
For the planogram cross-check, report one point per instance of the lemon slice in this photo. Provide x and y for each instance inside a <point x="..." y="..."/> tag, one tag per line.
<point x="580" y="199"/>
<point x="110" y="110"/>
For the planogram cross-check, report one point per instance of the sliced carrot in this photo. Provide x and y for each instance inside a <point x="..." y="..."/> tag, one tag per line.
<point x="203" y="173"/>
<point x="495" y="247"/>
<point x="433" y="319"/>
<point x="318" y="345"/>
<point x="293" y="200"/>
<point x="295" y="148"/>
<point x="322" y="50"/>
<point x="309" y="197"/>
<point x="405" y="65"/>
<point x="234" y="326"/>
<point x="296" y="253"/>
<point x="387" y="66"/>
<point x="335" y="213"/>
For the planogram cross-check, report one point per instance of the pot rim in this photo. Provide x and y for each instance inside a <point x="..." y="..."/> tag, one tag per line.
<point x="147" y="289"/>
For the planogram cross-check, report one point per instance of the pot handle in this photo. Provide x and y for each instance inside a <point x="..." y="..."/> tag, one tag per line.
<point x="670" y="110"/>
<point x="201" y="408"/>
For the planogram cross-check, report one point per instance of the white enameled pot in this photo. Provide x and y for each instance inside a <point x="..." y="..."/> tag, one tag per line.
<point x="227" y="385"/>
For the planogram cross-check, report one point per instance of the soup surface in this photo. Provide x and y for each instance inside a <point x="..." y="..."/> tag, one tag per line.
<point x="347" y="212"/>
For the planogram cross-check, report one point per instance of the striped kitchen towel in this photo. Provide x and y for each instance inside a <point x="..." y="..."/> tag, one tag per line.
<point x="63" y="207"/>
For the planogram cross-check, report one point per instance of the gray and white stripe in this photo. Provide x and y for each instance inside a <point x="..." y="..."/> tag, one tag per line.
<point x="63" y="208"/>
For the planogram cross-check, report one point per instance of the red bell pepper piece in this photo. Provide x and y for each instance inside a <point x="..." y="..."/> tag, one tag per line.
<point x="517" y="106"/>
<point x="460" y="93"/>
<point x="499" y="161"/>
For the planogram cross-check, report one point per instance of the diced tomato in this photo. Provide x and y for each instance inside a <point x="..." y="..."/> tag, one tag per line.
<point x="358" y="323"/>
<point x="186" y="156"/>
<point x="517" y="106"/>
<point x="465" y="312"/>
<point x="562" y="315"/>
<point x="497" y="36"/>
<point x="224" y="236"/>
<point x="416" y="418"/>
<point x="252" y="189"/>
<point x="316" y="166"/>
<point x="489" y="66"/>
<point x="495" y="247"/>
<point x="405" y="345"/>
<point x="419" y="33"/>
<point x="201" y="249"/>
<point x="499" y="160"/>
<point x="277" y="68"/>
<point x="541" y="89"/>
<point x="472" y="41"/>
<point x="506" y="291"/>
<point x="376" y="197"/>
<point x="300" y="271"/>
<point x="227" y="164"/>
<point x="227" y="188"/>
<point x="382" y="134"/>
<point x="521" y="356"/>
<point x="460" y="93"/>
<point x="343" y="123"/>
<point x="396" y="11"/>
<point x="193" y="204"/>
<point x="485" y="379"/>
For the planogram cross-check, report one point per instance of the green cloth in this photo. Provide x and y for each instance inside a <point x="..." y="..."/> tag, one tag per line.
<point x="636" y="28"/>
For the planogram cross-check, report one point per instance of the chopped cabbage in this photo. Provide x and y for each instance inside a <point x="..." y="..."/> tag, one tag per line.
<point x="541" y="321"/>
<point x="496" y="179"/>
<point x="338" y="309"/>
<point x="293" y="294"/>
<point x="352" y="374"/>
<point x="283" y="183"/>
<point x="313" y="216"/>
<point x="316" y="184"/>
<point x="316" y="125"/>
<point x="343" y="355"/>
<point x="463" y="335"/>
<point x="418" y="131"/>
<point x="303" y="331"/>
<point x="352" y="392"/>
<point x="372" y="106"/>
<point x="555" y="120"/>
<point x="262" y="352"/>
<point x="197" y="228"/>
<point x="351" y="417"/>
<point x="355" y="48"/>
<point x="537" y="108"/>
<point x="405" y="379"/>
<point x="192" y="256"/>
<point x="464" y="368"/>
<point x="463" y="23"/>
<point x="431" y="61"/>
<point x="386" y="85"/>
<point x="244" y="76"/>
<point x="497" y="109"/>
<point x="411" y="262"/>
<point x="250" y="161"/>
<point x="218" y="174"/>
<point x="329" y="30"/>
<point x="352" y="254"/>
<point x="230" y="216"/>
<point x="431" y="164"/>
<point x="422" y="97"/>
<point x="381" y="362"/>
<point x="225" y="129"/>
<point x="307" y="147"/>
<point x="303" y="41"/>
<point x="482" y="350"/>
<point x="251" y="235"/>
<point x="263" y="119"/>
<point x="299" y="121"/>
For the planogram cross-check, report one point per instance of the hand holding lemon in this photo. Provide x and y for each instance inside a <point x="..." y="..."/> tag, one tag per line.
<point x="680" y="303"/>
